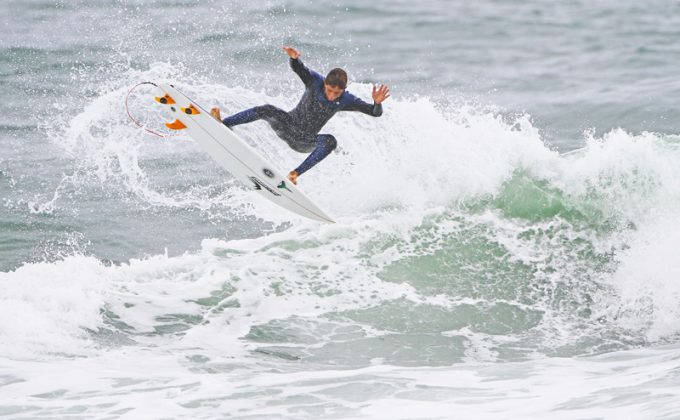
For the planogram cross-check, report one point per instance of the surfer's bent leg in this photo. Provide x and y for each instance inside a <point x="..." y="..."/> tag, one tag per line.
<point x="325" y="144"/>
<point x="265" y="112"/>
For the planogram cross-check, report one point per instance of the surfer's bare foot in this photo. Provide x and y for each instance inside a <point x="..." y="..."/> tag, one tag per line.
<point x="292" y="177"/>
<point x="215" y="112"/>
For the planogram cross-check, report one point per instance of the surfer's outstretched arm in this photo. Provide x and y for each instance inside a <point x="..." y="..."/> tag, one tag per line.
<point x="292" y="52"/>
<point x="380" y="93"/>
<point x="356" y="104"/>
<point x="299" y="68"/>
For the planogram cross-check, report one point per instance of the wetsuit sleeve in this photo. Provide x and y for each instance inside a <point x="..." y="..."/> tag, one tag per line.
<point x="355" y="104"/>
<point x="301" y="70"/>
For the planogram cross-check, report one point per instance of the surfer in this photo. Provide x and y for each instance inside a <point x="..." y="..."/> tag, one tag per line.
<point x="300" y="127"/>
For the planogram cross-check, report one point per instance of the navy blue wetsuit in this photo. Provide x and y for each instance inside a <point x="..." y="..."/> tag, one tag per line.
<point x="299" y="127"/>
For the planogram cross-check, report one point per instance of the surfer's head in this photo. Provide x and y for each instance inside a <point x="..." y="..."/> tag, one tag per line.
<point x="335" y="84"/>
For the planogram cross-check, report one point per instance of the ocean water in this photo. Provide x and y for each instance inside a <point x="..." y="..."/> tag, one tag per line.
<point x="507" y="233"/>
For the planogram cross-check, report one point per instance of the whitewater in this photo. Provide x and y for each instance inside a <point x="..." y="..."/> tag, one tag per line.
<point x="496" y="253"/>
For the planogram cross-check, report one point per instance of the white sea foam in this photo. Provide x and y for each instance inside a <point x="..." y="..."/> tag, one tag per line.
<point x="117" y="384"/>
<point x="184" y="328"/>
<point x="46" y="307"/>
<point x="416" y="155"/>
<point x="390" y="174"/>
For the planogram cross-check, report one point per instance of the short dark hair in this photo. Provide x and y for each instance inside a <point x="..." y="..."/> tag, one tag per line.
<point x="337" y="78"/>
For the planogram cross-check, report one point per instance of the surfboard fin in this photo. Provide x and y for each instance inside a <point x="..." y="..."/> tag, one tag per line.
<point x="165" y="100"/>
<point x="176" y="125"/>
<point x="191" y="110"/>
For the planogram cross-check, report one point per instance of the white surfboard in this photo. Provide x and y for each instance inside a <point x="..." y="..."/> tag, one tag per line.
<point x="235" y="155"/>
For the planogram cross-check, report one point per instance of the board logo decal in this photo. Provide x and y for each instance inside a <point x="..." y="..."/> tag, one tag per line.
<point x="259" y="184"/>
<point x="282" y="185"/>
<point x="268" y="172"/>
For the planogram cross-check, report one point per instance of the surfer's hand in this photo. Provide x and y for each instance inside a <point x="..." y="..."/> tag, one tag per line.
<point x="380" y="93"/>
<point x="292" y="52"/>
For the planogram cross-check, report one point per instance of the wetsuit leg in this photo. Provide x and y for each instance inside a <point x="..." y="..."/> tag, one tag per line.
<point x="325" y="144"/>
<point x="269" y="113"/>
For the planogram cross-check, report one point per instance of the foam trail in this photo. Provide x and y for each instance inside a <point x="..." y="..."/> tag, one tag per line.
<point x="415" y="155"/>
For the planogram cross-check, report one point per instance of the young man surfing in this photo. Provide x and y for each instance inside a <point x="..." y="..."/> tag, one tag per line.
<point x="299" y="128"/>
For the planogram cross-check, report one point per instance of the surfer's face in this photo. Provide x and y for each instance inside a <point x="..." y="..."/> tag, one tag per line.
<point x="332" y="92"/>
